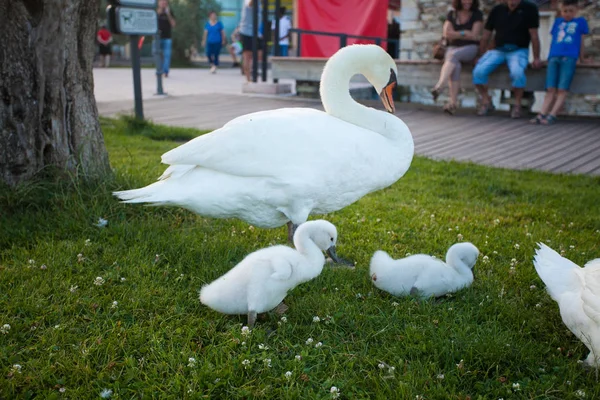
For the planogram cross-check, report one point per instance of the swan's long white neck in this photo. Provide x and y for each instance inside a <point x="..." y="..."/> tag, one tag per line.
<point x="305" y="246"/>
<point x="335" y="95"/>
<point x="455" y="261"/>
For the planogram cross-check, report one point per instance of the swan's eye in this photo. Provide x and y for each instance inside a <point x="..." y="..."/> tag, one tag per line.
<point x="331" y="239"/>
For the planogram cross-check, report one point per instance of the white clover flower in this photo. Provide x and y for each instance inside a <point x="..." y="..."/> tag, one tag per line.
<point x="395" y="304"/>
<point x="243" y="343"/>
<point x="538" y="305"/>
<point x="517" y="246"/>
<point x="580" y="393"/>
<point x="284" y="319"/>
<point x="262" y="346"/>
<point x="568" y="383"/>
<point x="57" y="326"/>
<point x="245" y="363"/>
<point x="191" y="362"/>
<point x="391" y="370"/>
<point x="329" y="320"/>
<point x="459" y="236"/>
<point x="381" y="365"/>
<point x="288" y="374"/>
<point x="99" y="281"/>
<point x="31" y="262"/>
<point x="461" y="364"/>
<point x="245" y="330"/>
<point x="496" y="221"/>
<point x="316" y="319"/>
<point x="532" y="287"/>
<point x="450" y="229"/>
<point x="16" y="368"/>
<point x="4" y="329"/>
<point x="528" y="234"/>
<point x="571" y="247"/>
<point x="62" y="389"/>
<point x="73" y="288"/>
<point x="486" y="259"/>
<point x="516" y="386"/>
<point x="267" y="362"/>
<point x="298" y="357"/>
<point x="319" y="344"/>
<point x="123" y="279"/>
<point x="87" y="242"/>
<point x="378" y="219"/>
<point x="115" y="304"/>
<point x="106" y="393"/>
<point x="101" y="224"/>
<point x="309" y="340"/>
<point x="432" y="216"/>
<point x="335" y="392"/>
<point x="43" y="266"/>
<point x="80" y="258"/>
<point x="359" y="296"/>
<point x="440" y="376"/>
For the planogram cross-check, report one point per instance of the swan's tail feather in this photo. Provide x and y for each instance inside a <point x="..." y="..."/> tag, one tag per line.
<point x="149" y="194"/>
<point x="558" y="273"/>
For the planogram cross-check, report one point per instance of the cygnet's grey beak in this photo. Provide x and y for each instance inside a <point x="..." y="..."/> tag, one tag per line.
<point x="387" y="94"/>
<point x="331" y="253"/>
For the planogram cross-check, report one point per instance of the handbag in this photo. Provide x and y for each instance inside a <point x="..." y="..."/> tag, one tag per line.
<point x="439" y="49"/>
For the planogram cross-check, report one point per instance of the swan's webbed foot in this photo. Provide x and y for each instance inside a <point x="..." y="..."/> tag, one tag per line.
<point x="251" y="319"/>
<point x="291" y="231"/>
<point x="281" y="308"/>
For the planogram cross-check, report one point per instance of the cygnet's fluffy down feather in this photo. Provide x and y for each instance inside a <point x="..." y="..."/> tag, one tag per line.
<point x="261" y="280"/>
<point x="577" y="292"/>
<point x="422" y="275"/>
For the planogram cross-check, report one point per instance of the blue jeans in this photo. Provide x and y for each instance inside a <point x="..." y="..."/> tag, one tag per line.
<point x="560" y="72"/>
<point x="212" y="52"/>
<point x="517" y="61"/>
<point x="284" y="49"/>
<point x="166" y="46"/>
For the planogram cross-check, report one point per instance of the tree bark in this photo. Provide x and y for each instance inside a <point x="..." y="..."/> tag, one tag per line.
<point x="48" y="114"/>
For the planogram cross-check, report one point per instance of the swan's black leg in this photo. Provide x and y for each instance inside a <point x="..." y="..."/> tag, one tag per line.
<point x="291" y="230"/>
<point x="251" y="319"/>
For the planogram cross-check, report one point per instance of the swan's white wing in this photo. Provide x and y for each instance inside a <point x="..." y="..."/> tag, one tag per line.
<point x="274" y="142"/>
<point x="591" y="293"/>
<point x="558" y="273"/>
<point x="282" y="268"/>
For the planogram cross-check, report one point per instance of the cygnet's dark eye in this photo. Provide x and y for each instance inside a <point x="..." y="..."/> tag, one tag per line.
<point x="332" y="239"/>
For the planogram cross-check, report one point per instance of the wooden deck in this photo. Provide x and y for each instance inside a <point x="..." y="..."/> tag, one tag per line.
<point x="570" y="146"/>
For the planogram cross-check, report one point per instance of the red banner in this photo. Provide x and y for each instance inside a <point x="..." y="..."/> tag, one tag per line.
<point x="352" y="17"/>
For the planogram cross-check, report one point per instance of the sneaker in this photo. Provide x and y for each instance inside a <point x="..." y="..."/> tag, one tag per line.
<point x="213" y="69"/>
<point x="235" y="64"/>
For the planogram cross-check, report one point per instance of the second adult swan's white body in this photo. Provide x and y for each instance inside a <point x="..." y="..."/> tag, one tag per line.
<point x="272" y="167"/>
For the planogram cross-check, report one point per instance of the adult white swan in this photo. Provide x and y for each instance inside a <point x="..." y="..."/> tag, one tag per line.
<point x="275" y="167"/>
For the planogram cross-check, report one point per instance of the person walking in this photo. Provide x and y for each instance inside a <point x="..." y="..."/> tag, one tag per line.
<point x="213" y="39"/>
<point x="166" y="23"/>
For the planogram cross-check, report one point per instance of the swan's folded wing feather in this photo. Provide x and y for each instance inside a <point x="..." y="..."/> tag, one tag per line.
<point x="282" y="268"/>
<point x="259" y="144"/>
<point x="558" y="273"/>
<point x="591" y="294"/>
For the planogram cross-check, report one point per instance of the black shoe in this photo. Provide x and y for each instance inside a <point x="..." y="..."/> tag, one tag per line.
<point x="235" y="65"/>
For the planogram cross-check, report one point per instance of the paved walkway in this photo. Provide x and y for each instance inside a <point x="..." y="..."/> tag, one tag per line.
<point x="200" y="100"/>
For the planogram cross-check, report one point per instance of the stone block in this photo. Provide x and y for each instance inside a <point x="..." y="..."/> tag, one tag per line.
<point x="411" y="26"/>
<point x="427" y="37"/>
<point x="406" y="44"/>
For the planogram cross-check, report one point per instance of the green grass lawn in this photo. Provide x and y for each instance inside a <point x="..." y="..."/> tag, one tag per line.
<point x="117" y="307"/>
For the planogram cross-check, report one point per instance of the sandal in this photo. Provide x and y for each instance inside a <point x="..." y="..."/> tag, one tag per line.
<point x="435" y="94"/>
<point x="515" y="113"/>
<point x="550" y="120"/>
<point x="449" y="109"/>
<point x="538" y="119"/>
<point x="485" y="109"/>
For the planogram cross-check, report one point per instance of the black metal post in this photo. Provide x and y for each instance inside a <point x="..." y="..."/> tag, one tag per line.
<point x="298" y="43"/>
<point x="255" y="5"/>
<point x="398" y="46"/>
<point x="343" y="41"/>
<point x="158" y="60"/>
<point x="137" y="78"/>
<point x="265" y="20"/>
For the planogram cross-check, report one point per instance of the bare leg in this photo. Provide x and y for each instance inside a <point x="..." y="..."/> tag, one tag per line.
<point x="483" y="93"/>
<point x="251" y="319"/>
<point x="560" y="102"/>
<point x="291" y="231"/>
<point x="247" y="63"/>
<point x="107" y="61"/>
<point x="454" y="90"/>
<point x="447" y="70"/>
<point x="518" y="96"/>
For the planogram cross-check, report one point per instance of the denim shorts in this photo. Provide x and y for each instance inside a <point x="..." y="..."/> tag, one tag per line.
<point x="560" y="72"/>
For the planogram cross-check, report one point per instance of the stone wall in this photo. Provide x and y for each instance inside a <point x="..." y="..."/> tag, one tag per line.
<point x="421" y="24"/>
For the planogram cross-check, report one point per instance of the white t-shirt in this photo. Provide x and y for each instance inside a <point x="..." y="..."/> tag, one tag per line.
<point x="284" y="28"/>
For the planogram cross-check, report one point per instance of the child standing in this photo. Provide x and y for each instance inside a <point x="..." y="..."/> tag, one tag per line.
<point x="566" y="48"/>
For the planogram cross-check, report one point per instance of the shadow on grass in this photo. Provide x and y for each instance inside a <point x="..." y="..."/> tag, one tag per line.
<point x="134" y="126"/>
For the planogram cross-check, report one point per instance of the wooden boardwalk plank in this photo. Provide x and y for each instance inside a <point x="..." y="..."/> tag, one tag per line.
<point x="570" y="146"/>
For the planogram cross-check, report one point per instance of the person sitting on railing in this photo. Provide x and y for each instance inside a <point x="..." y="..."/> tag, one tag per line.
<point x="565" y="51"/>
<point x="516" y="24"/>
<point x="462" y="30"/>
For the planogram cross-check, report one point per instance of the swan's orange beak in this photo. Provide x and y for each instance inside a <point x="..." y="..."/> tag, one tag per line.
<point x="387" y="94"/>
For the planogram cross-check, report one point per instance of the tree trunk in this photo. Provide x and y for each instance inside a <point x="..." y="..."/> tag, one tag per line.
<point x="48" y="114"/>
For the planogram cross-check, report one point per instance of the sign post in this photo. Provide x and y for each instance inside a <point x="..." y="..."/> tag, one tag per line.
<point x="134" y="18"/>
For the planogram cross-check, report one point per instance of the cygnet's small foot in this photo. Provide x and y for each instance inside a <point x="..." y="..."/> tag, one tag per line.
<point x="281" y="308"/>
<point x="251" y="319"/>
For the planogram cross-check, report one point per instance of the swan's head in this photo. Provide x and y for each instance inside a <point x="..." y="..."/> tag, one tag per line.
<point x="323" y="234"/>
<point x="465" y="253"/>
<point x="381" y="71"/>
<point x="369" y="60"/>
